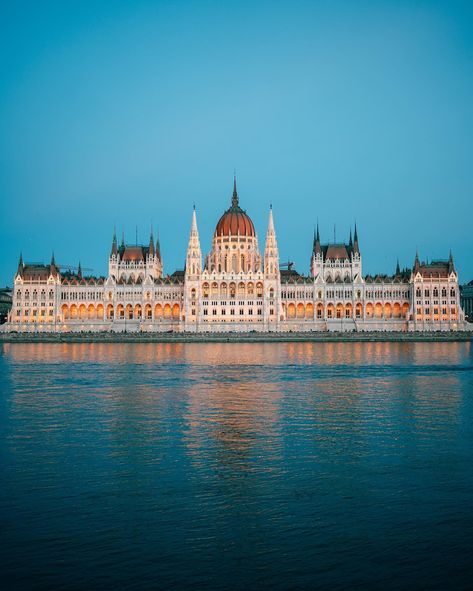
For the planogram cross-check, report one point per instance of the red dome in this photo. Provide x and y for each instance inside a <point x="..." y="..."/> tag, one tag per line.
<point x="235" y="221"/>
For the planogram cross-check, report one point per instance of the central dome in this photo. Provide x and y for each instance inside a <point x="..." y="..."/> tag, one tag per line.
<point x="235" y="221"/>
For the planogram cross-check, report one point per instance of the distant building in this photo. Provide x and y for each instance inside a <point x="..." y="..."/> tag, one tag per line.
<point x="466" y="298"/>
<point x="236" y="287"/>
<point x="6" y="295"/>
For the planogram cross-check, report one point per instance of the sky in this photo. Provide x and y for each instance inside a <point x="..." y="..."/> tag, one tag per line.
<point x="127" y="114"/>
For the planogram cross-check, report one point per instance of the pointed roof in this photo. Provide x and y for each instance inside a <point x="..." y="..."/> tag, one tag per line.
<point x="356" y="246"/>
<point x="114" y="250"/>
<point x="270" y="220"/>
<point x="235" y="193"/>
<point x="20" y="265"/>
<point x="317" y="248"/>
<point x="151" y="243"/>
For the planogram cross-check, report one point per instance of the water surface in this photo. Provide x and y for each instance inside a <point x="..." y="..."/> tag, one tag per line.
<point x="236" y="466"/>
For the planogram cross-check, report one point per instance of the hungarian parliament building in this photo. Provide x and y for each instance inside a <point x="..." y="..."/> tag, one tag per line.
<point x="236" y="288"/>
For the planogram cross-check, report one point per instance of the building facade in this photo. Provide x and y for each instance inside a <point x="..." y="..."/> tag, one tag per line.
<point x="5" y="303"/>
<point x="236" y="288"/>
<point x="466" y="299"/>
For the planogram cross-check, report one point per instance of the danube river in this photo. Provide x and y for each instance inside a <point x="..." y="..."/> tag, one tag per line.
<point x="236" y="466"/>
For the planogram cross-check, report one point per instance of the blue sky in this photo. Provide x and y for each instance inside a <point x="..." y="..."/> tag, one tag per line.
<point x="127" y="113"/>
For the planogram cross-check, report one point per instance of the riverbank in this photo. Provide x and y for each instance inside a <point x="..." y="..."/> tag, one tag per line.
<point x="175" y="337"/>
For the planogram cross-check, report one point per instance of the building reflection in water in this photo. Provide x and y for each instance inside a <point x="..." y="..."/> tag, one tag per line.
<point x="234" y="407"/>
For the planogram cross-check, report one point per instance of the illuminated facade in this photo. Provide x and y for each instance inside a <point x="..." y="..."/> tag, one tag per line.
<point x="236" y="288"/>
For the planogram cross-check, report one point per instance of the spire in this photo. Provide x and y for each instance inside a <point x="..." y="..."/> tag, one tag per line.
<point x="350" y="241"/>
<point x="270" y="220"/>
<point x="158" y="248"/>
<point x="20" y="264"/>
<point x="151" y="242"/>
<point x="271" y="252"/>
<point x="52" y="265"/>
<point x="356" y="247"/>
<point x="114" y="243"/>
<point x="316" y="248"/>
<point x="451" y="265"/>
<point x="79" y="271"/>
<point x="123" y="239"/>
<point x="194" y="254"/>
<point x="416" y="261"/>
<point x="398" y="268"/>
<point x="235" y="194"/>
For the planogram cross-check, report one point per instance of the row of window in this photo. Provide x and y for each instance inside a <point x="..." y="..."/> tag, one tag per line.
<point x="34" y="312"/>
<point x="435" y="311"/>
<point x="435" y="292"/>
<point x="223" y="312"/>
<point x="34" y="295"/>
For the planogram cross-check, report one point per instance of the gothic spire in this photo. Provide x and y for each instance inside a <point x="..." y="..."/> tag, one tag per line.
<point x="451" y="265"/>
<point x="235" y="194"/>
<point x="350" y="241"/>
<point x="79" y="271"/>
<point x="398" y="268"/>
<point x="356" y="247"/>
<point x="271" y="252"/>
<point x="194" y="254"/>
<point x="151" y="242"/>
<point x="20" y="264"/>
<point x="317" y="249"/>
<point x="114" y="242"/>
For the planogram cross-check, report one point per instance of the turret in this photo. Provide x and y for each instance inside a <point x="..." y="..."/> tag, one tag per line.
<point x="21" y="266"/>
<point x="52" y="266"/>
<point x="416" y="262"/>
<point x="151" y="250"/>
<point x="271" y="252"/>
<point x="451" y="265"/>
<point x="114" y="250"/>
<point x="194" y="254"/>
<point x="356" y="246"/>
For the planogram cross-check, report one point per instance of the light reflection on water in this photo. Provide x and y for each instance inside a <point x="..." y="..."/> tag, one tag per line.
<point x="277" y="465"/>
